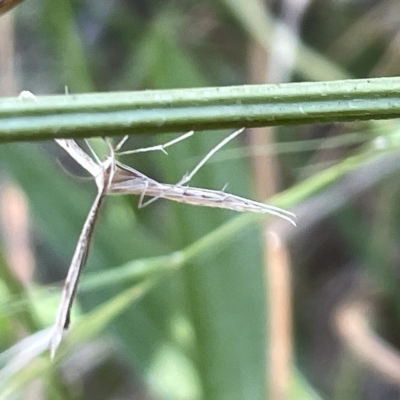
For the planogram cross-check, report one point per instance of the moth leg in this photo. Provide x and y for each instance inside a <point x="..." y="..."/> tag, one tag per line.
<point x="159" y="147"/>
<point x="187" y="177"/>
<point x="141" y="204"/>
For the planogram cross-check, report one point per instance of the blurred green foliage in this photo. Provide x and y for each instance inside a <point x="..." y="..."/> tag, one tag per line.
<point x="173" y="302"/>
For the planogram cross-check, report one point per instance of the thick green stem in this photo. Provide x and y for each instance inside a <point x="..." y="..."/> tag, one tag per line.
<point x="156" y="111"/>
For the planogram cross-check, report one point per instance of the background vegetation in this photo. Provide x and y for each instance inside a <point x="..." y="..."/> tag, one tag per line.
<point x="179" y="302"/>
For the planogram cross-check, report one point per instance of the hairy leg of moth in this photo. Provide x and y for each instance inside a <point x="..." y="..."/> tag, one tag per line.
<point x="159" y="147"/>
<point x="130" y="181"/>
<point x="187" y="177"/>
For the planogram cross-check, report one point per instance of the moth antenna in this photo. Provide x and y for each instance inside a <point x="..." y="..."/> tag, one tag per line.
<point x="81" y="178"/>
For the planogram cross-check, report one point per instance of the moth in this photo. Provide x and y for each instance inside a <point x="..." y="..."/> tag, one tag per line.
<point x="112" y="178"/>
